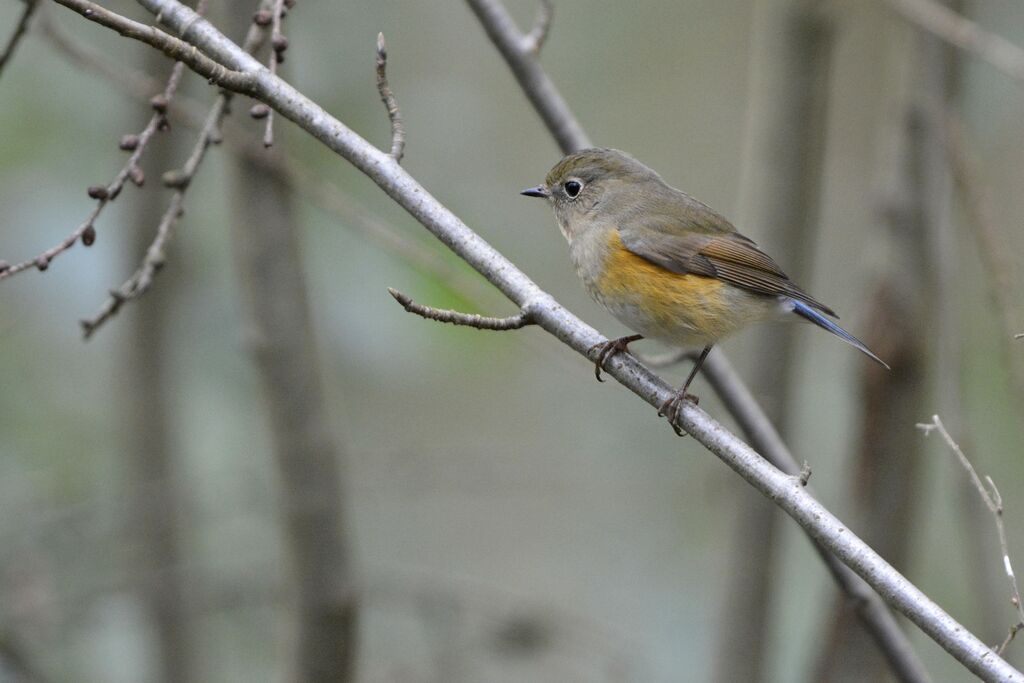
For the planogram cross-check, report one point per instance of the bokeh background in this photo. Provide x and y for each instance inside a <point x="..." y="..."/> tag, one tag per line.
<point x="505" y="517"/>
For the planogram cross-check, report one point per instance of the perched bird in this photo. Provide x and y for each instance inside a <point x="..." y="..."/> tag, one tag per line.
<point x="666" y="265"/>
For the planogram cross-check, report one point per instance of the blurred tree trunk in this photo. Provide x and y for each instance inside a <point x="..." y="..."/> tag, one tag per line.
<point x="154" y="494"/>
<point x="271" y="272"/>
<point x="780" y="192"/>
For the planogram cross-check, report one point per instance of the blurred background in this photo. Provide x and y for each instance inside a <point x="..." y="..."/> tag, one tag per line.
<point x="265" y="470"/>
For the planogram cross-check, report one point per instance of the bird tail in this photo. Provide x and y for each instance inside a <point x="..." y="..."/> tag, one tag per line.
<point x="805" y="311"/>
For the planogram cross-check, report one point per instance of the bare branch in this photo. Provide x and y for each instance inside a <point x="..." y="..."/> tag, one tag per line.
<point x="408" y="193"/>
<point x="533" y="42"/>
<point x="172" y="47"/>
<point x="388" y="98"/>
<point x="210" y="133"/>
<point x="480" y="322"/>
<point x="963" y="33"/>
<point x="155" y="257"/>
<point x="19" y="32"/>
<point x="86" y="231"/>
<point x="535" y="83"/>
<point x="994" y="502"/>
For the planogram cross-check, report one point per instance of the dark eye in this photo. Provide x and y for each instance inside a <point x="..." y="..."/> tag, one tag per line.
<point x="572" y="188"/>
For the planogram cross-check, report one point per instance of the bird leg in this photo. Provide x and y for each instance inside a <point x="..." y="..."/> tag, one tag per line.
<point x="670" y="408"/>
<point x="607" y="349"/>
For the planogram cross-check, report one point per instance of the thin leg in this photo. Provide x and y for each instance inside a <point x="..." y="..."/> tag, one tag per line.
<point x="606" y="350"/>
<point x="670" y="408"/>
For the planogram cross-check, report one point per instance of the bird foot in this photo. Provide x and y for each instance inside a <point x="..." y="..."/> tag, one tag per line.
<point x="671" y="408"/>
<point x="607" y="349"/>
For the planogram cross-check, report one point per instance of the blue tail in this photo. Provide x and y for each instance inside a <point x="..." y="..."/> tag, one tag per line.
<point x="805" y="311"/>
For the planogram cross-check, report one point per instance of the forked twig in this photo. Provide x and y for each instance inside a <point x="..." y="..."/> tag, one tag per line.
<point x="994" y="502"/>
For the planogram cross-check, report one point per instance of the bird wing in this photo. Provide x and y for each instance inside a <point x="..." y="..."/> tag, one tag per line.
<point x="723" y="254"/>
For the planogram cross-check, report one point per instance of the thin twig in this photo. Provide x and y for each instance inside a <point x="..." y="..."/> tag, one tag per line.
<point x="388" y="98"/>
<point x="278" y="45"/>
<point x="533" y="42"/>
<point x="960" y="31"/>
<point x="19" y="32"/>
<point x="990" y="496"/>
<point x="155" y="257"/>
<point x="480" y="322"/>
<point x="86" y="231"/>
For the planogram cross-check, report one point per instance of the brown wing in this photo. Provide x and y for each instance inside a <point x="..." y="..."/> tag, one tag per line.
<point x="726" y="255"/>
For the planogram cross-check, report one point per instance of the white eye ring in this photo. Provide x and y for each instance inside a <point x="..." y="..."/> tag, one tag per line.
<point x="572" y="188"/>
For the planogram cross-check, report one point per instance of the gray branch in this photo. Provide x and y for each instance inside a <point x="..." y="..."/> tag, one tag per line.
<point x="784" y="490"/>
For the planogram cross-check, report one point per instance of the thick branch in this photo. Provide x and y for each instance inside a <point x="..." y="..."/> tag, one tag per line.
<point x="172" y="47"/>
<point x="784" y="490"/>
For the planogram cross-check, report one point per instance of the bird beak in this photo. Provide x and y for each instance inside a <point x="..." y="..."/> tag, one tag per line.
<point x="539" y="191"/>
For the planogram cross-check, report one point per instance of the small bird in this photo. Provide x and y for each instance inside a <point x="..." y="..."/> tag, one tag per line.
<point x="666" y="265"/>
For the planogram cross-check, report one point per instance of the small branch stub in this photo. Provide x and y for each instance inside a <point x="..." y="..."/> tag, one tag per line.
<point x="388" y="98"/>
<point x="533" y="41"/>
<point x="480" y="322"/>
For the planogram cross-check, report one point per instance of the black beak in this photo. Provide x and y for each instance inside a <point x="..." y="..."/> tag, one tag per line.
<point x="539" y="191"/>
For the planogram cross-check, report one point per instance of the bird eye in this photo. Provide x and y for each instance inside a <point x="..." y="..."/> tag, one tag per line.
<point x="572" y="188"/>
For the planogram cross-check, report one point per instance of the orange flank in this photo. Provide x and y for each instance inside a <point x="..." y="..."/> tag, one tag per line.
<point x="671" y="303"/>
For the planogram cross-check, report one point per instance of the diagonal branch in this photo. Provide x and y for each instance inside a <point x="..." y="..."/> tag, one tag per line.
<point x="963" y="33"/>
<point x="86" y="231"/>
<point x="480" y="322"/>
<point x="19" y="32"/>
<point x="784" y="490"/>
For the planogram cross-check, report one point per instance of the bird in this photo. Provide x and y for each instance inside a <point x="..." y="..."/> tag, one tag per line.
<point x="666" y="265"/>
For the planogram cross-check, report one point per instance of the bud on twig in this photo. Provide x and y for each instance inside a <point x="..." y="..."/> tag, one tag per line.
<point x="136" y="175"/>
<point x="89" y="236"/>
<point x="262" y="18"/>
<point x="159" y="103"/>
<point x="259" y="111"/>
<point x="129" y="142"/>
<point x="98" y="192"/>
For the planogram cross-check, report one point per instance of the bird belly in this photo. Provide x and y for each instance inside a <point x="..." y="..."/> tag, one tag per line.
<point x="680" y="309"/>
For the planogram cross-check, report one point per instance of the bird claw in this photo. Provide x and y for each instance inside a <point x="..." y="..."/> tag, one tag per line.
<point x="670" y="409"/>
<point x="607" y="349"/>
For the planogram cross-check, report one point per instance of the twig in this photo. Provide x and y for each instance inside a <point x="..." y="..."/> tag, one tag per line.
<point x="278" y="45"/>
<point x="19" y="32"/>
<point x="1019" y="335"/>
<point x="480" y="322"/>
<point x="547" y="313"/>
<point x="543" y="94"/>
<point x="155" y="257"/>
<point x="994" y="502"/>
<point x="106" y="194"/>
<point x="388" y="98"/>
<point x="174" y="48"/>
<point x="533" y="42"/>
<point x="963" y="33"/>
